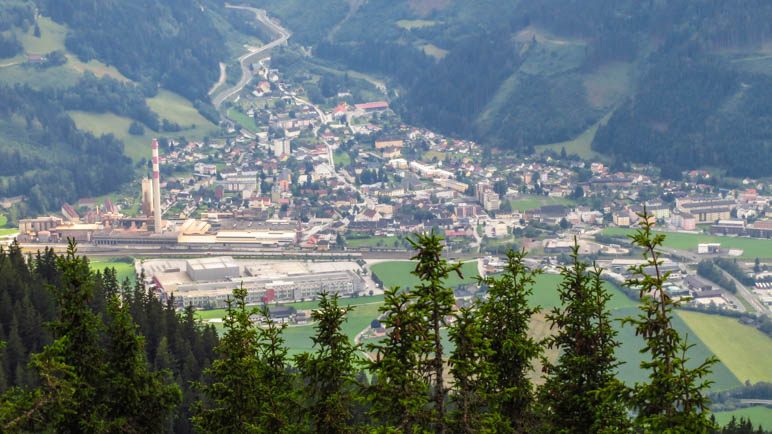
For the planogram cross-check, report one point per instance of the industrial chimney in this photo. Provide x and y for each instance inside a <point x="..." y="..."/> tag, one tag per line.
<point x="156" y="189"/>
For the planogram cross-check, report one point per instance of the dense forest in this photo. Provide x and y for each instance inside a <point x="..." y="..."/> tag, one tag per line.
<point x="47" y="159"/>
<point x="85" y="353"/>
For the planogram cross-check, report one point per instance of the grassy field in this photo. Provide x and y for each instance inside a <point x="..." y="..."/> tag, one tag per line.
<point x="747" y="352"/>
<point x="581" y="145"/>
<point x="52" y="37"/>
<point x="137" y="147"/>
<point x="752" y="247"/>
<point x="242" y="119"/>
<point x="124" y="269"/>
<point x="374" y="241"/>
<point x="629" y="353"/>
<point x="341" y="158"/>
<point x="526" y="203"/>
<point x="758" y="415"/>
<point x="397" y="273"/>
<point x="177" y="109"/>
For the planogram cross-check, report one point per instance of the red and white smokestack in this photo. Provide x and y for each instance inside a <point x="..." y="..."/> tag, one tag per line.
<point x="156" y="188"/>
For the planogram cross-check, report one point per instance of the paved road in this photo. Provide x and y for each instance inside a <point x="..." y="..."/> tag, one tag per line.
<point x="744" y="292"/>
<point x="253" y="55"/>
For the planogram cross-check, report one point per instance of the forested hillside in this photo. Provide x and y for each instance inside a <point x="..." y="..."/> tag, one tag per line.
<point x="173" y="43"/>
<point x="523" y="73"/>
<point x="47" y="159"/>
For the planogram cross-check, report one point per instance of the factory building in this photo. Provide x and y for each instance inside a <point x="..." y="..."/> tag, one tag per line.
<point x="209" y="282"/>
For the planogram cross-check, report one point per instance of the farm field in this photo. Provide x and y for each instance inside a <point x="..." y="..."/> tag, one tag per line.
<point x="747" y="352"/>
<point x="758" y="415"/>
<point x="397" y="273"/>
<point x="124" y="269"/>
<point x="629" y="353"/>
<point x="752" y="247"/>
<point x="526" y="203"/>
<point x="375" y="241"/>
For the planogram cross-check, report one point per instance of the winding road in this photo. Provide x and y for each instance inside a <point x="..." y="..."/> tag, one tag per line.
<point x="253" y="54"/>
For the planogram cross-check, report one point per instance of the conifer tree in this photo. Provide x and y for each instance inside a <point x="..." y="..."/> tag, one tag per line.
<point x="329" y="373"/>
<point x="45" y="408"/>
<point x="473" y="375"/>
<point x="279" y="404"/>
<point x="571" y="399"/>
<point x="232" y="396"/>
<point x="399" y="392"/>
<point x="435" y="301"/>
<point x="674" y="399"/>
<point x="506" y="315"/>
<point x="82" y="347"/>
<point x="138" y="400"/>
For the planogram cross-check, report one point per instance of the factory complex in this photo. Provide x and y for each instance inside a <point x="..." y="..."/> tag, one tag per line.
<point x="208" y="282"/>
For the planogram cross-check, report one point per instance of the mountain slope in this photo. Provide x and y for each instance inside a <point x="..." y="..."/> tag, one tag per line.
<point x="518" y="74"/>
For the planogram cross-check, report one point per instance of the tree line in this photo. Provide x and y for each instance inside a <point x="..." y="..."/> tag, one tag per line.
<point x="438" y="367"/>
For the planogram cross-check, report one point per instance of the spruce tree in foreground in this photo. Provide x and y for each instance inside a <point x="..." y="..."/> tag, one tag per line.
<point x="233" y="398"/>
<point x="278" y="406"/>
<point x="435" y="301"/>
<point x="473" y="375"/>
<point x="571" y="398"/>
<point x="506" y="316"/>
<point x="674" y="399"/>
<point x="328" y="372"/>
<point x="399" y="394"/>
<point x="138" y="400"/>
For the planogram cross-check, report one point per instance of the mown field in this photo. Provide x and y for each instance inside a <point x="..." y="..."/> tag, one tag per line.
<point x="374" y="241"/>
<point x="758" y="415"/>
<point x="526" y="203"/>
<point x="125" y="270"/>
<point x="397" y="273"/>
<point x="751" y="247"/>
<point x="746" y="351"/>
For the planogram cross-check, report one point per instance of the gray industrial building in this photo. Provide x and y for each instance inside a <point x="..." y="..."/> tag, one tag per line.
<point x="209" y="282"/>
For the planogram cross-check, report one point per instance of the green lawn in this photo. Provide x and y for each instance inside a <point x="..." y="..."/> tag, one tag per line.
<point x="752" y="247"/>
<point x="341" y="158"/>
<point x="526" y="203"/>
<point x="242" y="119"/>
<point x="746" y="351"/>
<point x="124" y="269"/>
<point x="397" y="273"/>
<point x="758" y="415"/>
<point x="375" y="241"/>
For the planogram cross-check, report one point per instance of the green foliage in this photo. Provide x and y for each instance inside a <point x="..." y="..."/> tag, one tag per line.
<point x="572" y="394"/>
<point x="435" y="302"/>
<point x="506" y="315"/>
<point x="47" y="158"/>
<point x="170" y="43"/>
<point x="473" y="375"/>
<point x="399" y="391"/>
<point x="329" y="373"/>
<point x="232" y="398"/>
<point x="674" y="399"/>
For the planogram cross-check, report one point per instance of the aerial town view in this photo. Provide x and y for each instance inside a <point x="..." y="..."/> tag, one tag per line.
<point x="280" y="169"/>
